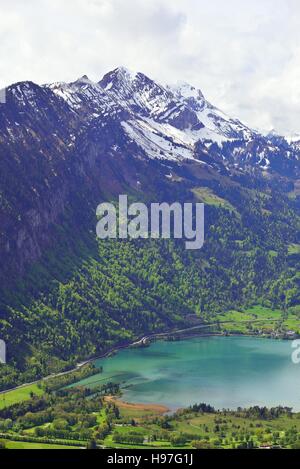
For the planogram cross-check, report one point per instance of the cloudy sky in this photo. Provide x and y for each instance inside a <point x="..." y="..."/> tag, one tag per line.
<point x="244" y="55"/>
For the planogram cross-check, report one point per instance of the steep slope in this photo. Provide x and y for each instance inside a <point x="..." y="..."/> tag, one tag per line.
<point x="183" y="115"/>
<point x="64" y="148"/>
<point x="217" y="125"/>
<point x="101" y="137"/>
<point x="177" y="123"/>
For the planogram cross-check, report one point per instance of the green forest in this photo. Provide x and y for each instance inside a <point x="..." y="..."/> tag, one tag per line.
<point x="86" y="296"/>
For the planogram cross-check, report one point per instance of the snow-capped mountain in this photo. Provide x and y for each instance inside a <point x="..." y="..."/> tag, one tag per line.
<point x="176" y="122"/>
<point x="217" y="125"/>
<point x="294" y="141"/>
<point x="128" y="109"/>
<point x="67" y="146"/>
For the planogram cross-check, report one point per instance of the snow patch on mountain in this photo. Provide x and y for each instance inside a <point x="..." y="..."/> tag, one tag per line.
<point x="158" y="144"/>
<point x="174" y="122"/>
<point x="293" y="138"/>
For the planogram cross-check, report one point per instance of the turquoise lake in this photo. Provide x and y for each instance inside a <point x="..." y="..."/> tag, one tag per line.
<point x="226" y="372"/>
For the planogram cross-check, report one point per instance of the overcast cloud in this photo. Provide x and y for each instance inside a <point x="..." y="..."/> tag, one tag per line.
<point x="244" y="55"/>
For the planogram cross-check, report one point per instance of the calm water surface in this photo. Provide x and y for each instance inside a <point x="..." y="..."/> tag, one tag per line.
<point x="225" y="372"/>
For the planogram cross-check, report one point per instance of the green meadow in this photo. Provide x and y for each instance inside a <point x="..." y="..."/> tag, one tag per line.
<point x="19" y="395"/>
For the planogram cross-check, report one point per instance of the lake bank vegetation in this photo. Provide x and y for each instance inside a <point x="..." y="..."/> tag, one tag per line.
<point x="83" y="417"/>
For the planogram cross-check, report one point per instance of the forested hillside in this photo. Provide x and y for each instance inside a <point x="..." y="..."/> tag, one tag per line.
<point x="113" y="291"/>
<point x="64" y="148"/>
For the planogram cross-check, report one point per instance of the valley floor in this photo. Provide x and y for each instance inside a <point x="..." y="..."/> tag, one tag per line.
<point x="46" y="414"/>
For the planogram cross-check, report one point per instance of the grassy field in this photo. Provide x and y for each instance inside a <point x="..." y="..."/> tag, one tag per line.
<point x="19" y="395"/>
<point x="208" y="197"/>
<point x="220" y="429"/>
<point x="266" y="320"/>
<point x="224" y="430"/>
<point x="231" y="429"/>
<point x="25" y="445"/>
<point x="294" y="249"/>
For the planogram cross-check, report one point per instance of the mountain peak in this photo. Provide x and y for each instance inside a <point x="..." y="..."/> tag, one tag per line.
<point x="118" y="75"/>
<point x="124" y="71"/>
<point x="137" y="91"/>
<point x="186" y="91"/>
<point x="84" y="80"/>
<point x="172" y="121"/>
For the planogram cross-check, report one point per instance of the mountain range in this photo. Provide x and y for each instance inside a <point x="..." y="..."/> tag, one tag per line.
<point x="177" y="123"/>
<point x="100" y="136"/>
<point x="66" y="147"/>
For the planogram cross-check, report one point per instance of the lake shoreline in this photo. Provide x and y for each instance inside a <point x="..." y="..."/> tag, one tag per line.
<point x="151" y="396"/>
<point x="164" y="336"/>
<point x="145" y="341"/>
<point x="157" y="409"/>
